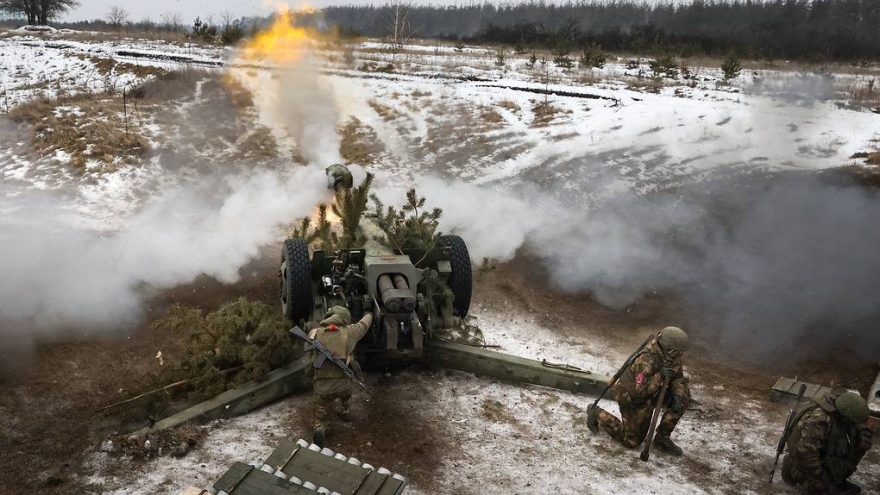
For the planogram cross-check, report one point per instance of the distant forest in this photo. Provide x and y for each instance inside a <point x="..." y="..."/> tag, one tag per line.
<point x="789" y="29"/>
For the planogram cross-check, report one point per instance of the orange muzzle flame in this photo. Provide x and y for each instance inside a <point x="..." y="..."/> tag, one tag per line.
<point x="282" y="43"/>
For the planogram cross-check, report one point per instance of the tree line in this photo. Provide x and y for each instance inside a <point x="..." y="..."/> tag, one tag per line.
<point x="799" y="29"/>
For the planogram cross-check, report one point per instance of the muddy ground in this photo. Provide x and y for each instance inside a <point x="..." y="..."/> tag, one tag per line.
<point x="50" y="425"/>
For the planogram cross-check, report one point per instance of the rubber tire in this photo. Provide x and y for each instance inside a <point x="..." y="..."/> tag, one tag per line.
<point x="296" y="280"/>
<point x="461" y="278"/>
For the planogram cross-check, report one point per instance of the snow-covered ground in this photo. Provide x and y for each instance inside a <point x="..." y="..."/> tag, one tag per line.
<point x="530" y="149"/>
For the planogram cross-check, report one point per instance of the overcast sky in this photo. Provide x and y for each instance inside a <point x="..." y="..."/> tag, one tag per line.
<point x="189" y="9"/>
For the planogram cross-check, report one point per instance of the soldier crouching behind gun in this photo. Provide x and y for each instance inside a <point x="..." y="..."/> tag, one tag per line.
<point x="340" y="337"/>
<point x="828" y="439"/>
<point x="637" y="390"/>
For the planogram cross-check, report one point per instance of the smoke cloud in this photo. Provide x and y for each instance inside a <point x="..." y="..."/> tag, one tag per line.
<point x="762" y="265"/>
<point x="57" y="275"/>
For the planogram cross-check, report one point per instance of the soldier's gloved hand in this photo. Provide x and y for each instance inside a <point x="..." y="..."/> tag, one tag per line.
<point x="667" y="371"/>
<point x="676" y="404"/>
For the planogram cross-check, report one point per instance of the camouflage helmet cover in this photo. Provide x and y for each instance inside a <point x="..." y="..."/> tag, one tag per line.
<point x="341" y="311"/>
<point x="673" y="339"/>
<point x="852" y="406"/>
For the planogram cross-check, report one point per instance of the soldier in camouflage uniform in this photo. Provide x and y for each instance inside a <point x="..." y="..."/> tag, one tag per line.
<point x="637" y="390"/>
<point x="827" y="440"/>
<point x="340" y="337"/>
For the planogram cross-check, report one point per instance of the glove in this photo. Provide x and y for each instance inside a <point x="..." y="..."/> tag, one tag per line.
<point x="667" y="371"/>
<point x="676" y="404"/>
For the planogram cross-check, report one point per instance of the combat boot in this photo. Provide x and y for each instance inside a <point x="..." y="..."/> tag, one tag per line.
<point x="318" y="436"/>
<point x="593" y="418"/>
<point x="849" y="488"/>
<point x="664" y="443"/>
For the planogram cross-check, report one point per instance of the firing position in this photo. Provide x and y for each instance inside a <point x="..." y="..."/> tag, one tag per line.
<point x="826" y="441"/>
<point x="638" y="392"/>
<point x="330" y="381"/>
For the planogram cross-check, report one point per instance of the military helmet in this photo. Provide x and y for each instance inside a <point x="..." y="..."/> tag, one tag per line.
<point x="341" y="311"/>
<point x="673" y="339"/>
<point x="852" y="406"/>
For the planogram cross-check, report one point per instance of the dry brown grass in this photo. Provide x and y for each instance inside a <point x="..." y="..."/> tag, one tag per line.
<point x="87" y="126"/>
<point x="509" y="105"/>
<point x="544" y="112"/>
<point x="863" y="93"/>
<point x="386" y="113"/>
<point x="98" y="36"/>
<point x="646" y="84"/>
<point x="490" y="115"/>
<point x="172" y="85"/>
<point x="359" y="143"/>
<point x="386" y="68"/>
<point x="496" y="412"/>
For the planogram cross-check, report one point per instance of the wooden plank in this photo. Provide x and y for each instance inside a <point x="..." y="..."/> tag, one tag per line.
<point x="246" y="397"/>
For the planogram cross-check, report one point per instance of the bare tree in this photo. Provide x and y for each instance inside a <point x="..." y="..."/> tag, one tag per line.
<point x="117" y="17"/>
<point x="38" y="11"/>
<point x="227" y="17"/>
<point x="172" y="20"/>
<point x="399" y="30"/>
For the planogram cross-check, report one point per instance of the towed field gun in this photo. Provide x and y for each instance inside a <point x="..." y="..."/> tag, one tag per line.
<point x="417" y="297"/>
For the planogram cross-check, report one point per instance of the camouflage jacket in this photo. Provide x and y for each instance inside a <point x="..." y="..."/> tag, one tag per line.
<point x="640" y="383"/>
<point x="823" y="446"/>
<point x="341" y="340"/>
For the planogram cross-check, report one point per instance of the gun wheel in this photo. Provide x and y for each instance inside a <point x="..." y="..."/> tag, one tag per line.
<point x="461" y="278"/>
<point x="296" y="280"/>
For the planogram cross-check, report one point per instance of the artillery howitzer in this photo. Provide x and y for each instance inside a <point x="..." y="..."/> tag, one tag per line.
<point x="410" y="302"/>
<point x="417" y="297"/>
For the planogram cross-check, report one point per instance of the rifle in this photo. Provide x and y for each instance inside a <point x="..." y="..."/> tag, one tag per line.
<point x="646" y="452"/>
<point x="324" y="355"/>
<point x="622" y="369"/>
<point x="786" y="432"/>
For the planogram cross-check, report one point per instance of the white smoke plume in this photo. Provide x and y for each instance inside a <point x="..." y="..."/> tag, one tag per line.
<point x="307" y="108"/>
<point x="764" y="265"/>
<point x="57" y="275"/>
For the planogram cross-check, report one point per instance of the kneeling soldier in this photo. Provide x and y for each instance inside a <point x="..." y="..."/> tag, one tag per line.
<point x="637" y="390"/>
<point x="828" y="439"/>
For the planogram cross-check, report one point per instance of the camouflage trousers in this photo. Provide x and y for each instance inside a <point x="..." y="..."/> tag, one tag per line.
<point x="811" y="485"/>
<point x="323" y="405"/>
<point x="636" y="421"/>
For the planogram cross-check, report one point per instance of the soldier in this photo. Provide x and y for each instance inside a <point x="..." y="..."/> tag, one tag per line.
<point x="637" y="390"/>
<point x="828" y="439"/>
<point x="340" y="337"/>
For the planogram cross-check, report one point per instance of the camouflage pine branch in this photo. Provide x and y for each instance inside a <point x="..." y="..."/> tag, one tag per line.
<point x="407" y="228"/>
<point x="349" y="205"/>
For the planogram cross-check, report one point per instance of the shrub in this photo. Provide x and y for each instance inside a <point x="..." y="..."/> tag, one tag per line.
<point x="203" y="32"/>
<point x="731" y="67"/>
<point x="561" y="58"/>
<point x="232" y="33"/>
<point x="500" y="58"/>
<point x="532" y="60"/>
<point x="593" y="57"/>
<point x="664" y="65"/>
